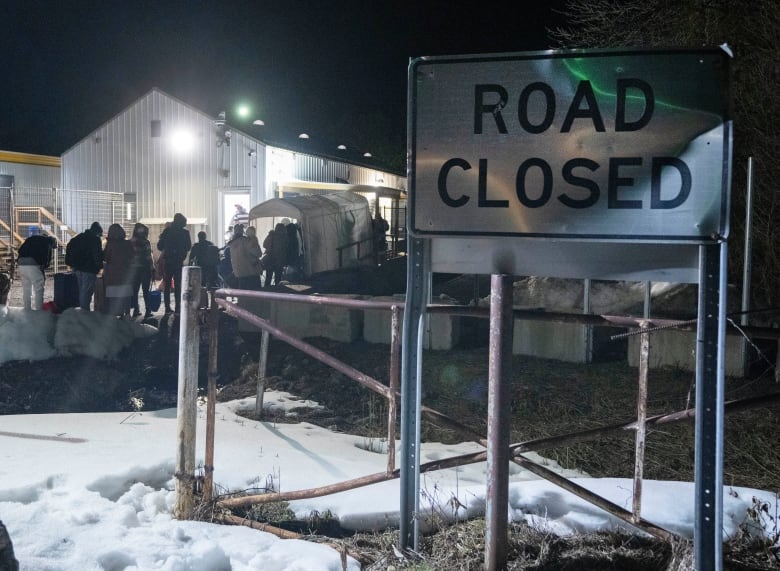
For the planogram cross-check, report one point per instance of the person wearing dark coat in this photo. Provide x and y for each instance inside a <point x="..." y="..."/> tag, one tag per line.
<point x="118" y="271"/>
<point x="205" y="255"/>
<point x="175" y="244"/>
<point x="293" y="248"/>
<point x="143" y="268"/>
<point x="275" y="245"/>
<point x="34" y="259"/>
<point x="84" y="254"/>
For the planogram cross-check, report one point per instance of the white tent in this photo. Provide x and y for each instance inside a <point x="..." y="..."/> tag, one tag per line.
<point x="335" y="229"/>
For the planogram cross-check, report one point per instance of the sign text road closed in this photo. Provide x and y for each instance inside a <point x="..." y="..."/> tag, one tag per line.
<point x="596" y="145"/>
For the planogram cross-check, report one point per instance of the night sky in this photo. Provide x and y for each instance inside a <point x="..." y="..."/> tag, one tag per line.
<point x="336" y="70"/>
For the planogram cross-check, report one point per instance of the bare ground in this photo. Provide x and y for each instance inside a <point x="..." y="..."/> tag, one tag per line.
<point x="548" y="398"/>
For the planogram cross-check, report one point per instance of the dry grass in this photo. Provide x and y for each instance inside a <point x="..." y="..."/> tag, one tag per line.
<point x="548" y="398"/>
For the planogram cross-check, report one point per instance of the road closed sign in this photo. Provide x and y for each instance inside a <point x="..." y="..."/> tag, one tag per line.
<point x="590" y="145"/>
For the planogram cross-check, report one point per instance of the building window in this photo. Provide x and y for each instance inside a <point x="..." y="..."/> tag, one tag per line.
<point x="156" y="128"/>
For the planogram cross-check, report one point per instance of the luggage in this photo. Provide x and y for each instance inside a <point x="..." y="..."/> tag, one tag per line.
<point x="66" y="290"/>
<point x="155" y="298"/>
<point x="99" y="302"/>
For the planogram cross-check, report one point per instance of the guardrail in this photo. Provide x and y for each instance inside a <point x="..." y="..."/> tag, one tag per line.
<point x="219" y="302"/>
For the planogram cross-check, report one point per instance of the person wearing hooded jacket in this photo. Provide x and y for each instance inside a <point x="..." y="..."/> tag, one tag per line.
<point x="84" y="253"/>
<point x="34" y="259"/>
<point x="143" y="268"/>
<point x="175" y="244"/>
<point x="117" y="271"/>
<point x="245" y="257"/>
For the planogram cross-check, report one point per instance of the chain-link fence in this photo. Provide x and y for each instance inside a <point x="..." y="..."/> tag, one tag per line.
<point x="61" y="213"/>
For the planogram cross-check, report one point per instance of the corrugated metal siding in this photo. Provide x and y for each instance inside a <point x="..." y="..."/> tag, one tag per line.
<point x="34" y="176"/>
<point x="322" y="169"/>
<point x="365" y="175"/>
<point x="122" y="156"/>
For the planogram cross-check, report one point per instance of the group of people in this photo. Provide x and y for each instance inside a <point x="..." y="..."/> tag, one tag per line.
<point x="247" y="265"/>
<point x="127" y="266"/>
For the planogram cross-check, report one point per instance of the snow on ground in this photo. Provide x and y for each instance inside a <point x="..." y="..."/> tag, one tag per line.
<point x="37" y="335"/>
<point x="94" y="491"/>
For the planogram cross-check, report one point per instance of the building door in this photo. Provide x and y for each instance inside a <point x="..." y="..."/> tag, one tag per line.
<point x="229" y="207"/>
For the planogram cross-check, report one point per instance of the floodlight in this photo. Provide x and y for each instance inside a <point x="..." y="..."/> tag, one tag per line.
<point x="182" y="141"/>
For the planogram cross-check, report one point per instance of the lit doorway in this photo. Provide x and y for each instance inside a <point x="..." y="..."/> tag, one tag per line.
<point x="231" y="199"/>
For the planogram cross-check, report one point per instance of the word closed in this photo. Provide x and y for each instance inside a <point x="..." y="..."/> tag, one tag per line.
<point x="574" y="184"/>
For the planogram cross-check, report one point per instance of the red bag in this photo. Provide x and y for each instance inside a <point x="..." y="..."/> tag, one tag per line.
<point x="50" y="306"/>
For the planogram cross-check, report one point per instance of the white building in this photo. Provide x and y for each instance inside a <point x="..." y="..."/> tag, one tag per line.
<point x="165" y="156"/>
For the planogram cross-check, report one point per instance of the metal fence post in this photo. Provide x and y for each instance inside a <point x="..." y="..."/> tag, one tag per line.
<point x="499" y="397"/>
<point x="187" y="407"/>
<point x="211" y="403"/>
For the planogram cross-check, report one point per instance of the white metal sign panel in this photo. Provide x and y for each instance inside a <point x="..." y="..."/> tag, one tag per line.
<point x="589" y="145"/>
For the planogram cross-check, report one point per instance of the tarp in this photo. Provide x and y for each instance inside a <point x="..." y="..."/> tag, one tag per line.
<point x="335" y="229"/>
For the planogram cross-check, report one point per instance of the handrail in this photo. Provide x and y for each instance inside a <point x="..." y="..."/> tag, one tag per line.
<point x="484" y="312"/>
<point x="340" y="249"/>
<point x="11" y="233"/>
<point x="373" y="384"/>
<point x="42" y="214"/>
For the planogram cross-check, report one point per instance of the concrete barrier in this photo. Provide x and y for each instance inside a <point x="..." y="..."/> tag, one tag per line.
<point x="549" y="340"/>
<point x="307" y="320"/>
<point x="678" y="349"/>
<point x="442" y="332"/>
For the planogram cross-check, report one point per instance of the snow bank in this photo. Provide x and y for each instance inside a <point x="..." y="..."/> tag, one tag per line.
<point x="37" y="335"/>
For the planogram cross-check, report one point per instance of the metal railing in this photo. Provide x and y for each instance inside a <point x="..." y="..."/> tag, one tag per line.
<point x="221" y="303"/>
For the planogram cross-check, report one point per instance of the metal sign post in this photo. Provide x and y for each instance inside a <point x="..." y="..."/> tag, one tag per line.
<point x="411" y="391"/>
<point x="710" y="343"/>
<point x="499" y="411"/>
<point x="605" y="164"/>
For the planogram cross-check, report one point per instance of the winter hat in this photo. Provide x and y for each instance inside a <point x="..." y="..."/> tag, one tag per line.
<point x="238" y="230"/>
<point x="96" y="228"/>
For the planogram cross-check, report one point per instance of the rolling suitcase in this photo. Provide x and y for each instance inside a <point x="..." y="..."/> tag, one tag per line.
<point x="99" y="302"/>
<point x="66" y="290"/>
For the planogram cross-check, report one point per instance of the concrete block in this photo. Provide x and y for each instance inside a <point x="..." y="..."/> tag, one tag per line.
<point x="678" y="349"/>
<point x="260" y="307"/>
<point x="376" y="322"/>
<point x="442" y="332"/>
<point x="332" y="322"/>
<point x="548" y="340"/>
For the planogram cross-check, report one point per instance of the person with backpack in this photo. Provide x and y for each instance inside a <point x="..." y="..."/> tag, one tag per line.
<point x="34" y="258"/>
<point x="84" y="254"/>
<point x="175" y="244"/>
<point x="206" y="255"/>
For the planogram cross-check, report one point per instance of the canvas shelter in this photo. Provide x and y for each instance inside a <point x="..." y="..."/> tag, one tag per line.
<point x="335" y="228"/>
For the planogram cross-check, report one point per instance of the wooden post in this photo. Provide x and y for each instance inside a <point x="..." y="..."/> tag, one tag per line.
<point x="262" y="370"/>
<point x="211" y="403"/>
<point x="187" y="408"/>
<point x="395" y="381"/>
<point x="641" y="420"/>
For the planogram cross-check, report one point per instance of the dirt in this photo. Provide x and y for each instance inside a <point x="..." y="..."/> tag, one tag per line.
<point x="548" y="398"/>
